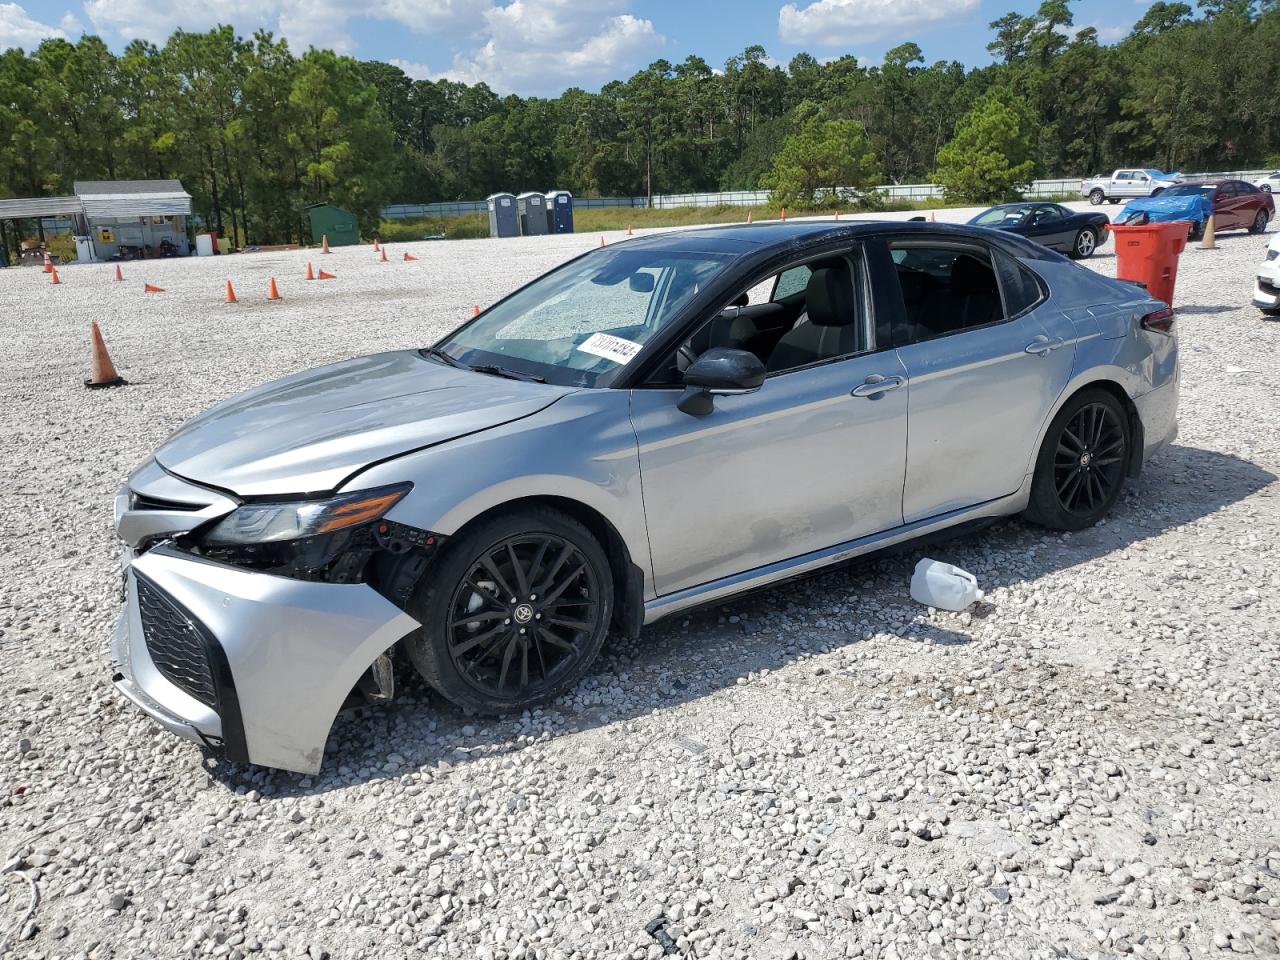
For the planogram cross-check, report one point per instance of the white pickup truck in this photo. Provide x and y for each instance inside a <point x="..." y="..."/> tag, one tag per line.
<point x="1127" y="184"/>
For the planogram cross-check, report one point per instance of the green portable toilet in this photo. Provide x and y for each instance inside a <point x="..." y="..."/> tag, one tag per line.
<point x="333" y="222"/>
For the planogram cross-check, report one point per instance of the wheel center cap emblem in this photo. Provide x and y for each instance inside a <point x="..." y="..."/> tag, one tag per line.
<point x="1086" y="459"/>
<point x="523" y="613"/>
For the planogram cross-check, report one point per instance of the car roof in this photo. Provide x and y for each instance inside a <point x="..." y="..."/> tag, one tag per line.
<point x="738" y="239"/>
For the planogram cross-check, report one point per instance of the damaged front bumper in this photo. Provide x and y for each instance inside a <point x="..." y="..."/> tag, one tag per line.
<point x="253" y="665"/>
<point x="1266" y="293"/>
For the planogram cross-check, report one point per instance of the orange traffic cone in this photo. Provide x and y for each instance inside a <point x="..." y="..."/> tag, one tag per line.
<point x="628" y="229"/>
<point x="273" y="292"/>
<point x="48" y="264"/>
<point x="104" y="371"/>
<point x="475" y="309"/>
<point x="151" y="288"/>
<point x="231" y="292"/>
<point x="324" y="243"/>
<point x="376" y="248"/>
<point x="409" y="256"/>
<point x="784" y="213"/>
<point x="326" y="276"/>
<point x="748" y="216"/>
<point x="119" y="275"/>
<point x="837" y="216"/>
<point x="310" y="275"/>
<point x="933" y="217"/>
<point x="602" y="240"/>
<point x="53" y="276"/>
<point x="382" y="254"/>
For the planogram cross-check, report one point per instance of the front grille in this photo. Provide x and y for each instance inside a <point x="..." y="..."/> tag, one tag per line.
<point x="175" y="644"/>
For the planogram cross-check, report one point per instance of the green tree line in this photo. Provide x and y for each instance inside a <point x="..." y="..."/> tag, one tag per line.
<point x="255" y="132"/>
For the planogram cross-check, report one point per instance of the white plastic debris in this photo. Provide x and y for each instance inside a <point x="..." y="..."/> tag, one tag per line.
<point x="937" y="584"/>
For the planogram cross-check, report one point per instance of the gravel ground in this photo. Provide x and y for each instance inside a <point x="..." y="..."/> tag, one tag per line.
<point x="1081" y="767"/>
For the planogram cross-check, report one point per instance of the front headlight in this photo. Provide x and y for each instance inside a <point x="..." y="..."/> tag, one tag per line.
<point x="255" y="523"/>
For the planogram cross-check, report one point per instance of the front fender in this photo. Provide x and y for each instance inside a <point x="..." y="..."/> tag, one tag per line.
<point x="582" y="448"/>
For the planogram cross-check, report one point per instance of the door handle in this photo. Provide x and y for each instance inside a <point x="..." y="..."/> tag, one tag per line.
<point x="1042" y="346"/>
<point x="875" y="385"/>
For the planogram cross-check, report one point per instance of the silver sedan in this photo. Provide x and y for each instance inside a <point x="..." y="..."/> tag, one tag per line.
<point x="652" y="426"/>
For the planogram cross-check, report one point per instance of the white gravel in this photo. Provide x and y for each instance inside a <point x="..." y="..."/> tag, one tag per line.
<point x="1084" y="767"/>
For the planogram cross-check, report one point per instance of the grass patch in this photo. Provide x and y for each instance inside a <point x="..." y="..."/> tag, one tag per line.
<point x="602" y="219"/>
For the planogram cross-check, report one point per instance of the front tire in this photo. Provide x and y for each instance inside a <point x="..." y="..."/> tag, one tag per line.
<point x="1085" y="243"/>
<point x="1259" y="224"/>
<point x="514" y="612"/>
<point x="1081" y="469"/>
<point x="1096" y="196"/>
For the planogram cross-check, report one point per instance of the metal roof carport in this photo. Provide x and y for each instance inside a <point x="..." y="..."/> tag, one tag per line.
<point x="103" y="199"/>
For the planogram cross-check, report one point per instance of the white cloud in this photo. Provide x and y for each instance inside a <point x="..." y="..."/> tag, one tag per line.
<point x="521" y="46"/>
<point x="1106" y="34"/>
<point x="19" y="29"/>
<point x="415" y="71"/>
<point x="322" y="23"/>
<point x="842" y="22"/>
<point x="543" y="46"/>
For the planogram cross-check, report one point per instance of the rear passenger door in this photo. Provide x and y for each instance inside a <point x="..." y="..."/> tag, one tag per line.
<point x="983" y="370"/>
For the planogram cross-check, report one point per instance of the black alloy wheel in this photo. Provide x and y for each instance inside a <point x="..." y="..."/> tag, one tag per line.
<point x="1083" y="463"/>
<point x="1088" y="464"/>
<point x="521" y="615"/>
<point x="1259" y="224"/>
<point x="514" y="613"/>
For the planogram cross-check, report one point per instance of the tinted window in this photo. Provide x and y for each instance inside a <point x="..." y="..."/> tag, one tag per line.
<point x="1021" y="288"/>
<point x="945" y="289"/>
<point x="1045" y="214"/>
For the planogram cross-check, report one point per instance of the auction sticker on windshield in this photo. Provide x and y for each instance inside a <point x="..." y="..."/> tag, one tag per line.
<point x="610" y="347"/>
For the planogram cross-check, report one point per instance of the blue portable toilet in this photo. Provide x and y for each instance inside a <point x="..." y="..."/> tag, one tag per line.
<point x="560" y="211"/>
<point x="503" y="221"/>
<point x="533" y="213"/>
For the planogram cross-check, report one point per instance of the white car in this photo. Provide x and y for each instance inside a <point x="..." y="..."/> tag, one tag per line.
<point x="1266" y="295"/>
<point x="1270" y="182"/>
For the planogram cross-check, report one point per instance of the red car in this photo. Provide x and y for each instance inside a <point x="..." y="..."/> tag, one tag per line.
<point x="1237" y="205"/>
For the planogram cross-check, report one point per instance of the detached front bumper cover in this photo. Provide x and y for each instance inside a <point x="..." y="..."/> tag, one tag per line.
<point x="282" y="655"/>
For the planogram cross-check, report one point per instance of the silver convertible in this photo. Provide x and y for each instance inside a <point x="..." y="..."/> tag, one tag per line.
<point x="652" y="426"/>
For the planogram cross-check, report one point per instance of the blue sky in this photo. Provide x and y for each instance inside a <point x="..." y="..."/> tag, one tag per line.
<point x="540" y="47"/>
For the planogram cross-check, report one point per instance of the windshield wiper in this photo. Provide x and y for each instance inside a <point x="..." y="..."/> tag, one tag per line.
<point x="440" y="355"/>
<point x="507" y="372"/>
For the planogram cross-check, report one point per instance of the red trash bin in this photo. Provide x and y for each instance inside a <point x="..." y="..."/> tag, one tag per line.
<point x="1149" y="253"/>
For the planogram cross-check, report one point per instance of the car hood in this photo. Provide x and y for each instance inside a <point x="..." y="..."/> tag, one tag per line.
<point x="309" y="432"/>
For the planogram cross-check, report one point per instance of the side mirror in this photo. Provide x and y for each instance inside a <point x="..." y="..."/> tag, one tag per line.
<point x="719" y="372"/>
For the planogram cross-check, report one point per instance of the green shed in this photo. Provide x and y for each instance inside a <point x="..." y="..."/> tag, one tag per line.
<point x="337" y="224"/>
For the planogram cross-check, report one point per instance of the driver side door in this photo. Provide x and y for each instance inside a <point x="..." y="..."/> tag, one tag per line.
<point x="809" y="461"/>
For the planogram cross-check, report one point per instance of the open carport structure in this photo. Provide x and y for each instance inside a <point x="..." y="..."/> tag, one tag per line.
<point x="113" y="219"/>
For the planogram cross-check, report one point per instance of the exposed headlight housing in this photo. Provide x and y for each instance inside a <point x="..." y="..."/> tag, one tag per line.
<point x="262" y="523"/>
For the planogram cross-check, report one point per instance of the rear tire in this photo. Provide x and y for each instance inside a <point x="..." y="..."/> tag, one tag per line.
<point x="1260" y="221"/>
<point x="1096" y="196"/>
<point x="1085" y="244"/>
<point x="1195" y="231"/>
<point x="513" y="613"/>
<point x="1081" y="468"/>
<point x="1114" y="200"/>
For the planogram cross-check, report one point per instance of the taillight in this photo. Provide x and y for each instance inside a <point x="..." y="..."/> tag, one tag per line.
<point x="1159" y="321"/>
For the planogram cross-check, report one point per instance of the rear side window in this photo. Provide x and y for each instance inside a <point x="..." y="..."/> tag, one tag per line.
<point x="1022" y="290"/>
<point x="945" y="289"/>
